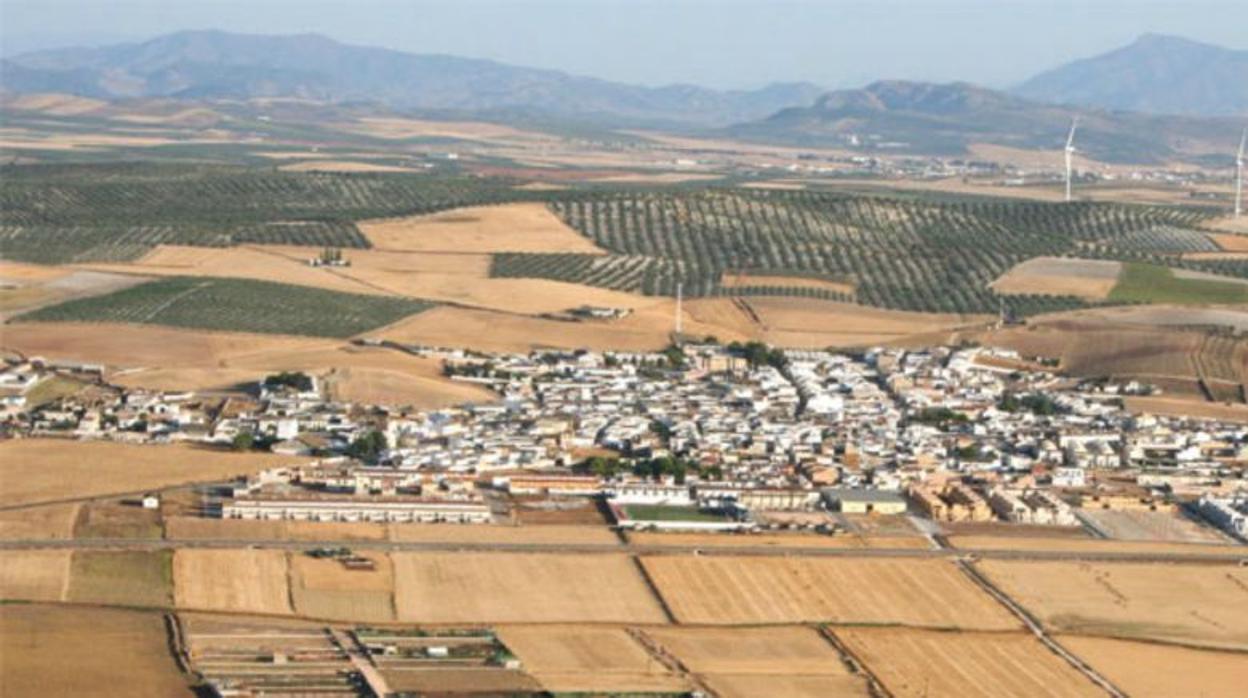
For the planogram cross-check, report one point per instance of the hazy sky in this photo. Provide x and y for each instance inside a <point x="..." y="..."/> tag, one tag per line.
<point x="718" y="43"/>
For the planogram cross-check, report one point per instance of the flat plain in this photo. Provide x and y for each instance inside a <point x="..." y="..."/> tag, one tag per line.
<point x="326" y="589"/>
<point x="524" y="227"/>
<point x="115" y="653"/>
<point x="517" y="588"/>
<point x="1132" y="600"/>
<point x="752" y="590"/>
<point x="47" y="470"/>
<point x="924" y="663"/>
<point x="34" y="575"/>
<point x="589" y="659"/>
<point x="236" y="581"/>
<point x="769" y="651"/>
<point x="1153" y="670"/>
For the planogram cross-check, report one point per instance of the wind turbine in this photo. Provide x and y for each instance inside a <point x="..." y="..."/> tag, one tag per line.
<point x="1070" y="154"/>
<point x="1239" y="176"/>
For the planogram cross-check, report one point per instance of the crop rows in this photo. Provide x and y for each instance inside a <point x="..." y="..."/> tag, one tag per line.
<point x="80" y="213"/>
<point x="238" y="305"/>
<point x="904" y="254"/>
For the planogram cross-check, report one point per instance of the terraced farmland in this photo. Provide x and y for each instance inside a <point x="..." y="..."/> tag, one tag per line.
<point x="236" y="305"/>
<point x="909" y="254"/>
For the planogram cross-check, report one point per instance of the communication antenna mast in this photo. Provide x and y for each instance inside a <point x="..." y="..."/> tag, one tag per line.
<point x="1239" y="176"/>
<point x="1070" y="155"/>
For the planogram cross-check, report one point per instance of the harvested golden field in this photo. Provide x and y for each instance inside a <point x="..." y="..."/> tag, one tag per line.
<point x="325" y="589"/>
<point x="494" y="331"/>
<point x="728" y="591"/>
<point x="48" y="470"/>
<point x="122" y="578"/>
<point x="739" y="279"/>
<point x="817" y="686"/>
<point x="922" y="663"/>
<point x="1091" y="545"/>
<point x="54" y="521"/>
<point x="769" y="651"/>
<point x="34" y="575"/>
<point x="518" y="588"/>
<point x="106" y="653"/>
<point x="773" y="540"/>
<point x="526" y="535"/>
<point x="1192" y="604"/>
<point x="403" y="128"/>
<point x="1238" y="229"/>
<point x="456" y="681"/>
<point x="160" y="358"/>
<point x="284" y="265"/>
<point x="237" y="581"/>
<point x="343" y="166"/>
<point x="1152" y="670"/>
<point x="807" y="322"/>
<point x="1060" y="276"/>
<point x="585" y="659"/>
<point x="524" y="227"/>
<point x="196" y="528"/>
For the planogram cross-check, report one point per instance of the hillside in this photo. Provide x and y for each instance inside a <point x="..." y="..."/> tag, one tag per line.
<point x="218" y="65"/>
<point x="943" y="119"/>
<point x="1160" y="74"/>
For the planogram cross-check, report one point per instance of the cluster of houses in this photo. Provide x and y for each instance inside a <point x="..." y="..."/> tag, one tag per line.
<point x="954" y="434"/>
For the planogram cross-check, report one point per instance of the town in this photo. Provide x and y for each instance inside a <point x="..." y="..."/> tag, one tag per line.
<point x="700" y="437"/>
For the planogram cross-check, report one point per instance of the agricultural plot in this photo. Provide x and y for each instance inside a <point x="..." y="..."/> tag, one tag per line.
<point x="1091" y="279"/>
<point x="238" y="305"/>
<point x="728" y="591"/>
<point x="1152" y="670"/>
<point x="766" y="651"/>
<point x="34" y="575"/>
<point x="54" y="521"/>
<point x="111" y="653"/>
<point x="1190" y="604"/>
<point x="819" y="686"/>
<point x="522" y="227"/>
<point x="326" y="589"/>
<point x="517" y="588"/>
<point x="122" y="578"/>
<point x="1152" y="525"/>
<point x="117" y="212"/>
<point x="588" y="659"/>
<point x="39" y="470"/>
<point x="920" y="663"/>
<point x="1149" y="283"/>
<point x="1076" y="545"/>
<point x="236" y="581"/>
<point x="909" y="254"/>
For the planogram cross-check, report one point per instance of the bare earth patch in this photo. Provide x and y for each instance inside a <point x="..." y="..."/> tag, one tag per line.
<point x="34" y="575"/>
<point x="739" y="279"/>
<point x="109" y="653"/>
<point x="1060" y="276"/>
<point x="236" y="581"/>
<point x="524" y="227"/>
<point x="48" y="470"/>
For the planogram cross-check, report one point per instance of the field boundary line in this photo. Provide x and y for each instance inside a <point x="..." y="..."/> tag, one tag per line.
<point x="654" y="589"/>
<point x="1038" y="630"/>
<point x="656" y="650"/>
<point x="876" y="687"/>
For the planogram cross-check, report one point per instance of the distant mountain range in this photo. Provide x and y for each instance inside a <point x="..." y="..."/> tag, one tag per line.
<point x="205" y="65"/>
<point x="925" y="118"/>
<point x="1110" y="93"/>
<point x="1160" y="74"/>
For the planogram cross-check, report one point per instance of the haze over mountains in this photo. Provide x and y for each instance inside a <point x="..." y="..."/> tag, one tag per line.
<point x="215" y="64"/>
<point x="1162" y="74"/>
<point x="1158" y="74"/>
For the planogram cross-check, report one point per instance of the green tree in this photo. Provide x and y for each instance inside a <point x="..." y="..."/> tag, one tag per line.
<point x="243" y="441"/>
<point x="368" y="446"/>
